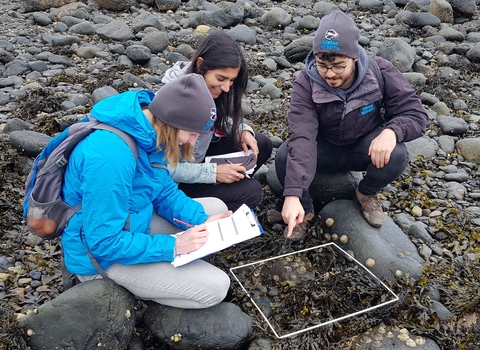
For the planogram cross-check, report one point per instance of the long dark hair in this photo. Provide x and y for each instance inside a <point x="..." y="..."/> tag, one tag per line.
<point x="220" y="50"/>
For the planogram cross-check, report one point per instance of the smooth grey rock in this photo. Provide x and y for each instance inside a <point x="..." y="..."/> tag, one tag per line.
<point x="116" y="5"/>
<point x="469" y="148"/>
<point x="222" y="326"/>
<point x="419" y="230"/>
<point x="30" y="143"/>
<point x="15" y="124"/>
<point x="309" y="22"/>
<point x="298" y="49"/>
<point x="446" y="143"/>
<point x="415" y="79"/>
<point x="443" y="10"/>
<point x="86" y="315"/>
<point x="138" y="53"/>
<point x="467" y="7"/>
<point x="420" y="19"/>
<point x="452" y="125"/>
<point x="146" y="19"/>
<point x="156" y="41"/>
<point x="165" y="5"/>
<point x="70" y="20"/>
<point x="441" y="108"/>
<point x="271" y="90"/>
<point x="243" y="34"/>
<point x="223" y="18"/>
<point x="474" y="53"/>
<point x="398" y="52"/>
<point x="39" y="5"/>
<point x="276" y="17"/>
<point x="41" y="19"/>
<point x="103" y="92"/>
<point x="442" y="312"/>
<point x="83" y="28"/>
<point x="423" y="146"/>
<point x="16" y="67"/>
<point x="389" y="246"/>
<point x="115" y="30"/>
<point x="65" y="40"/>
<point x="418" y="6"/>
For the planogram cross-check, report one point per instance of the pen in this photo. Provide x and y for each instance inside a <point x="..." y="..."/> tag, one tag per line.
<point x="230" y="162"/>
<point x="182" y="222"/>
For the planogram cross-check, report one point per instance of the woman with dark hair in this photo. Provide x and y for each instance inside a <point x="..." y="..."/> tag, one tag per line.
<point x="219" y="59"/>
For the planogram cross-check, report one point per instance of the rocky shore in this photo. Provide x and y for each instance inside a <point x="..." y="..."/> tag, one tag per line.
<point x="58" y="57"/>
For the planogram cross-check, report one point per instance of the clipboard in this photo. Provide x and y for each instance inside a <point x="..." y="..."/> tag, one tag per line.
<point x="243" y="224"/>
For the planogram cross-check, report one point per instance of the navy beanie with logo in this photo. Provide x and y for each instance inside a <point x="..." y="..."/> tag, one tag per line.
<point x="185" y="103"/>
<point x="337" y="33"/>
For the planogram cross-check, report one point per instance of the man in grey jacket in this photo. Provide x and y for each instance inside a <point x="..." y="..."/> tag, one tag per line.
<point x="343" y="118"/>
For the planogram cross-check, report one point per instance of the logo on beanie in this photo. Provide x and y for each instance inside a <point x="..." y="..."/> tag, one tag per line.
<point x="213" y="116"/>
<point x="329" y="44"/>
<point x="331" y="33"/>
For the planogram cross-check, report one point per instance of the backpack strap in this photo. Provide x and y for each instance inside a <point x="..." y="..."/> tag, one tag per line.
<point x="125" y="137"/>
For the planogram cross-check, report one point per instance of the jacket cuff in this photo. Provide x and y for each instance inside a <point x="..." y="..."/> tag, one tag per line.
<point x="297" y="192"/>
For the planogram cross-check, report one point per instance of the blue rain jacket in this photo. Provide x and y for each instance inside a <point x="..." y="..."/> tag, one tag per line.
<point x="112" y="186"/>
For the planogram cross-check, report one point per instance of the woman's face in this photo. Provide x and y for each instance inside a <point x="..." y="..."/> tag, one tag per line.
<point x="219" y="80"/>
<point x="187" y="137"/>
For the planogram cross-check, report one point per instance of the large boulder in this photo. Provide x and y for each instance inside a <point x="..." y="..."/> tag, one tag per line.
<point x="223" y="326"/>
<point x="388" y="246"/>
<point x="91" y="315"/>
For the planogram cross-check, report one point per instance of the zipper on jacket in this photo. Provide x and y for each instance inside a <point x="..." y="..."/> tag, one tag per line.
<point x="344" y="110"/>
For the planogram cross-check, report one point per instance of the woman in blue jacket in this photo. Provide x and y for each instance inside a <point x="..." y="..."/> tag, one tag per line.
<point x="113" y="188"/>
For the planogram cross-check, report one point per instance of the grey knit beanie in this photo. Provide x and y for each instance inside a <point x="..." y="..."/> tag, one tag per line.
<point x="185" y="103"/>
<point x="337" y="33"/>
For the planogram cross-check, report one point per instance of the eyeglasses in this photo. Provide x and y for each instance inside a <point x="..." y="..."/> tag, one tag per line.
<point x="335" y="69"/>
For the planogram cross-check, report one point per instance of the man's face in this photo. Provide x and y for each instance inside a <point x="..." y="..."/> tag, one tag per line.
<point x="338" y="73"/>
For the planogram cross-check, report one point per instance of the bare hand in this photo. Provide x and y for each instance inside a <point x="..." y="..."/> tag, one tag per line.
<point x="229" y="173"/>
<point x="191" y="240"/>
<point x="382" y="147"/>
<point x="292" y="213"/>
<point x="248" y="141"/>
<point x="219" y="216"/>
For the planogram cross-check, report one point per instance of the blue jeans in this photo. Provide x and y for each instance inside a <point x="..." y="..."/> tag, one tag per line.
<point x="353" y="157"/>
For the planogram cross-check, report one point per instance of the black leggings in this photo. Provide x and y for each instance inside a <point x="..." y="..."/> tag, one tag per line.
<point x="352" y="157"/>
<point x="246" y="191"/>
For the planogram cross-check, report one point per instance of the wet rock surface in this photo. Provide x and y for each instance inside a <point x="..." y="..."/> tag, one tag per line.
<point x="57" y="58"/>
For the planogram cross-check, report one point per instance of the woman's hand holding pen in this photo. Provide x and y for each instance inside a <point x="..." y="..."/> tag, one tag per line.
<point x="191" y="239"/>
<point x="229" y="173"/>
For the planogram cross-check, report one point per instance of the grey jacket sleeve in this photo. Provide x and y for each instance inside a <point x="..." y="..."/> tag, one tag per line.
<point x="189" y="173"/>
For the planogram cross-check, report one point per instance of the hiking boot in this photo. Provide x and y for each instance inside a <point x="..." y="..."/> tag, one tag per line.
<point x="300" y="230"/>
<point x="372" y="208"/>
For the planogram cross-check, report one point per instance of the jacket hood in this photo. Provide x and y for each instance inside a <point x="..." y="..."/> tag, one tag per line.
<point x="361" y="71"/>
<point x="124" y="111"/>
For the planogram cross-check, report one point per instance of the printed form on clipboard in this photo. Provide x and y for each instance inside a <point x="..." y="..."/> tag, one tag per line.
<point x="249" y="161"/>
<point x="240" y="226"/>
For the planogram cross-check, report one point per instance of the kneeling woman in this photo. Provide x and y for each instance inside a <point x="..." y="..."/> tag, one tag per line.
<point x="129" y="204"/>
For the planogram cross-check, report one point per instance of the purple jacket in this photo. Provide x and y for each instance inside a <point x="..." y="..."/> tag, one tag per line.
<point x="343" y="116"/>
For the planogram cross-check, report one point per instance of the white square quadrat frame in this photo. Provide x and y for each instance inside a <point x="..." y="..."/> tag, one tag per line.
<point x="395" y="297"/>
